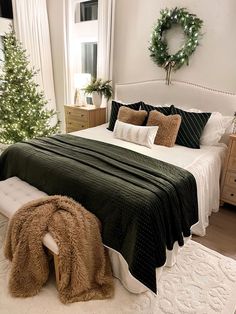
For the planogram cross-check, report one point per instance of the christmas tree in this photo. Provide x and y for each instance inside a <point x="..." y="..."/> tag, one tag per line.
<point x="23" y="114"/>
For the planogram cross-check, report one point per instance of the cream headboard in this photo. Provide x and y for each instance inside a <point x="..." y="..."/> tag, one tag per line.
<point x="179" y="93"/>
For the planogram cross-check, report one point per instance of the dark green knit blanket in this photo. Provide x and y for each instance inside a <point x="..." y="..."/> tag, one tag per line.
<point x="144" y="204"/>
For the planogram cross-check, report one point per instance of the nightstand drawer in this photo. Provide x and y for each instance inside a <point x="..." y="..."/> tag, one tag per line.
<point x="233" y="149"/>
<point x="232" y="163"/>
<point x="229" y="194"/>
<point x="76" y="114"/>
<point x="78" y="125"/>
<point x="230" y="179"/>
<point x="69" y="130"/>
<point x="228" y="183"/>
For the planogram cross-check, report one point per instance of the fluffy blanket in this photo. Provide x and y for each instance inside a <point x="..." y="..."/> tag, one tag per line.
<point x="83" y="262"/>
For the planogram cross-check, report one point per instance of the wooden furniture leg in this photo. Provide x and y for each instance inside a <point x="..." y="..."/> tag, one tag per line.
<point x="57" y="271"/>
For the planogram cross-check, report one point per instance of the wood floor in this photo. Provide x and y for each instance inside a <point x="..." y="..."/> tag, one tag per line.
<point x="221" y="232"/>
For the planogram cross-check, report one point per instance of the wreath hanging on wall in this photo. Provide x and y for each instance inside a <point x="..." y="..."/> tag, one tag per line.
<point x="191" y="25"/>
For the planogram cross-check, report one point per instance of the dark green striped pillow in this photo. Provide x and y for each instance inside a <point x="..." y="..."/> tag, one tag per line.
<point x="191" y="127"/>
<point x="148" y="108"/>
<point x="115" y="106"/>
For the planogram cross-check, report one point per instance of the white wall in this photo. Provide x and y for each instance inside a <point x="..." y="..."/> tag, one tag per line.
<point x="214" y="62"/>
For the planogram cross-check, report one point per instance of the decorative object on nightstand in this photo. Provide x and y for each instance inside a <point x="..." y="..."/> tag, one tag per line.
<point x="98" y="88"/>
<point x="80" y="81"/>
<point x="228" y="186"/>
<point x="79" y="118"/>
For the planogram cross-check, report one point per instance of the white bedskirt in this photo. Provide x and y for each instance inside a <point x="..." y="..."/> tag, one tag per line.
<point x="121" y="271"/>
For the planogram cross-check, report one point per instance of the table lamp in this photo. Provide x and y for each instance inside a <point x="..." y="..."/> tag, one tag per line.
<point x="81" y="80"/>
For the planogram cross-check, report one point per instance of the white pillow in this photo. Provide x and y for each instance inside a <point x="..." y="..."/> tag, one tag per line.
<point x="215" y="128"/>
<point x="142" y="135"/>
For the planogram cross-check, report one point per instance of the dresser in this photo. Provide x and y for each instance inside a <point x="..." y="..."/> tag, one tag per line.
<point x="79" y="118"/>
<point x="228" y="186"/>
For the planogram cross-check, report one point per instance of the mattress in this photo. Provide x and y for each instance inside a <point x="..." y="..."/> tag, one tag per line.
<point x="205" y="164"/>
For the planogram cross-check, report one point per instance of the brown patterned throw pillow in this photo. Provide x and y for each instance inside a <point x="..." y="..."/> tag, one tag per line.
<point x="168" y="127"/>
<point x="131" y="116"/>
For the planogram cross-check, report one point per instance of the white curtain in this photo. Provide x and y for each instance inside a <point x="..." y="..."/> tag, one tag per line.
<point x="106" y="18"/>
<point x="106" y="15"/>
<point x="31" y="25"/>
<point x="68" y="18"/>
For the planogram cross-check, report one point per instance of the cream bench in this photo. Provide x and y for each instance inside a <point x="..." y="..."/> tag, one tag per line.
<point x="13" y="194"/>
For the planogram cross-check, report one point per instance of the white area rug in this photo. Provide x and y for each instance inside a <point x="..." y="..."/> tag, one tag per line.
<point x="202" y="282"/>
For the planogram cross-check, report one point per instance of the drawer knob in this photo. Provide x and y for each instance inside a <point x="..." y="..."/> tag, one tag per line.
<point x="234" y="180"/>
<point x="231" y="194"/>
<point x="82" y="116"/>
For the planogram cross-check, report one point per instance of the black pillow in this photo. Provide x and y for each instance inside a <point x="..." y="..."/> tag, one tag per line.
<point x="115" y="106"/>
<point x="191" y="127"/>
<point x="148" y="108"/>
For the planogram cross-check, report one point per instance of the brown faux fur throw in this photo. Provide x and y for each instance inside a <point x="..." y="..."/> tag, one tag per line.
<point x="83" y="262"/>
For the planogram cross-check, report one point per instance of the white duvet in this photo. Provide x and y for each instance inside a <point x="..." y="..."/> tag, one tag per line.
<point x="205" y="164"/>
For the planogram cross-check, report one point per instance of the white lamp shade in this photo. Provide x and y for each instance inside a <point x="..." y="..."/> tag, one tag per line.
<point x="81" y="80"/>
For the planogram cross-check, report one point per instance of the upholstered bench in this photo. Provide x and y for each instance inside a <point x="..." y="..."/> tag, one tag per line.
<point x="13" y="194"/>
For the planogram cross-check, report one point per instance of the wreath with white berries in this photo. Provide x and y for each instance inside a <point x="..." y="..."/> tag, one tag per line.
<point x="191" y="25"/>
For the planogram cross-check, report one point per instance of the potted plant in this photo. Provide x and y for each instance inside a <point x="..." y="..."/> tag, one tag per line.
<point x="98" y="88"/>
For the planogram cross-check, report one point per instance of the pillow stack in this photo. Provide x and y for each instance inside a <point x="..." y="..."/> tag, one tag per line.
<point x="169" y="125"/>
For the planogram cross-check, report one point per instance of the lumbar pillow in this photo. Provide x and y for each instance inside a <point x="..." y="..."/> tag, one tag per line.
<point x="142" y="135"/>
<point x="115" y="106"/>
<point x="168" y="127"/>
<point x="191" y="128"/>
<point x="165" y="110"/>
<point x="131" y="116"/>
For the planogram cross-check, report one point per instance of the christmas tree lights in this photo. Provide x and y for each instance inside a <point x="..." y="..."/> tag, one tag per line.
<point x="23" y="114"/>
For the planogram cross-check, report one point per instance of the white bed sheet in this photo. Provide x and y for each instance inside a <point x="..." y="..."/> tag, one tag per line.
<point x="205" y="164"/>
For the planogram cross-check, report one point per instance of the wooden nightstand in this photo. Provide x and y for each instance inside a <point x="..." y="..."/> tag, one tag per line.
<point x="228" y="186"/>
<point x="79" y="118"/>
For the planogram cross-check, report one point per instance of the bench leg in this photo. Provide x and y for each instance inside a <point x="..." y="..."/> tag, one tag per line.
<point x="57" y="272"/>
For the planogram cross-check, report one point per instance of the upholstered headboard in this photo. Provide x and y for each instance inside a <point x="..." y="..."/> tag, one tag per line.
<point x="179" y="93"/>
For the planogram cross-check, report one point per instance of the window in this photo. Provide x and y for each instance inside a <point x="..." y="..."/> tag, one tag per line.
<point x="86" y="11"/>
<point x="6" y="9"/>
<point x="89" y="58"/>
<point x="84" y="45"/>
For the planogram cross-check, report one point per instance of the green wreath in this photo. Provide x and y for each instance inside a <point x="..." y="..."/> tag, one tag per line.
<point x="191" y="25"/>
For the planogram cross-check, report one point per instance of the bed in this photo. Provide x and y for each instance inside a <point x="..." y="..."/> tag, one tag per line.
<point x="204" y="165"/>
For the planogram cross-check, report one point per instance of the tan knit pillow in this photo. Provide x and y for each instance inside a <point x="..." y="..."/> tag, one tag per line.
<point x="127" y="115"/>
<point x="168" y="127"/>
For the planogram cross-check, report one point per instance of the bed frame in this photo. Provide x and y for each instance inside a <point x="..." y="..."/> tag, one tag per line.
<point x="156" y="92"/>
<point x="179" y="93"/>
